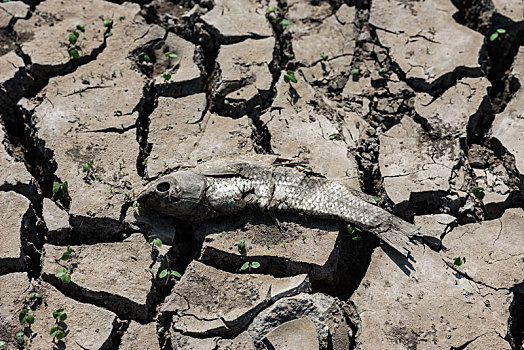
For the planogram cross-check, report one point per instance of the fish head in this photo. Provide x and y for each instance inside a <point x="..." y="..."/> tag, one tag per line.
<point x="178" y="194"/>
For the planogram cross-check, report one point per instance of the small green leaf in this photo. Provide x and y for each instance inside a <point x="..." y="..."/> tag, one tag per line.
<point x="63" y="317"/>
<point x="56" y="187"/>
<point x="355" y="71"/>
<point x="382" y="70"/>
<point x="245" y="266"/>
<point x="58" y="312"/>
<point x="157" y="242"/>
<point x="375" y="198"/>
<point x="171" y="54"/>
<point x="285" y="22"/>
<point x="270" y="9"/>
<point x="53" y="331"/>
<point x="335" y="136"/>
<point x="107" y="22"/>
<point x="30" y="319"/>
<point x="167" y="76"/>
<point x="81" y="27"/>
<point x="60" y="272"/>
<point x="324" y="57"/>
<point x="22" y="316"/>
<point x="60" y="335"/>
<point x="457" y="261"/>
<point x="35" y="295"/>
<point x="66" y="278"/>
<point x="107" y="35"/>
<point x="501" y="31"/>
<point x="69" y="249"/>
<point x="73" y="37"/>
<point x="135" y="204"/>
<point x="65" y="256"/>
<point x="255" y="264"/>
<point x="176" y="274"/>
<point x="241" y="246"/>
<point x="478" y="192"/>
<point x="163" y="273"/>
<point x="290" y="77"/>
<point x="20" y="338"/>
<point x="494" y="36"/>
<point x="86" y="167"/>
<point x="73" y="52"/>
<point x="357" y="238"/>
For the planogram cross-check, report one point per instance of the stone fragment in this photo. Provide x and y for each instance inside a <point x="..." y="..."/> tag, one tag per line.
<point x="208" y="301"/>
<point x="448" y="115"/>
<point x="298" y="247"/>
<point x="244" y="79"/>
<point x="424" y="39"/>
<point x="186" y="69"/>
<point x="508" y="125"/>
<point x="309" y="37"/>
<point x="294" y="334"/>
<point x="56" y="220"/>
<point x="11" y="11"/>
<point x="491" y="249"/>
<point x="424" y="301"/>
<point x="232" y="21"/>
<point x="513" y="9"/>
<point x="140" y="336"/>
<point x="428" y="169"/>
<point x="298" y="131"/>
<point x="437" y="224"/>
<point x="333" y="321"/>
<point x="174" y="131"/>
<point x="86" y="326"/>
<point x="13" y="226"/>
<point x="116" y="275"/>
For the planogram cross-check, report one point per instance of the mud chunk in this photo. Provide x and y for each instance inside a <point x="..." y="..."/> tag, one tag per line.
<point x="116" y="275"/>
<point x="140" y="336"/>
<point x="208" y="301"/>
<point x="424" y="39"/>
<point x="56" y="220"/>
<point x="295" y="334"/>
<point x="86" y="326"/>
<point x="236" y="20"/>
<point x="243" y="78"/>
<point x="13" y="174"/>
<point x="510" y="8"/>
<point x="11" y="11"/>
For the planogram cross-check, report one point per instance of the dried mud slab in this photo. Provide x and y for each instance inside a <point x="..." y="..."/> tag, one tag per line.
<point x="426" y="304"/>
<point x="12" y="11"/>
<point x="513" y="9"/>
<point x="140" y="336"/>
<point x="232" y="21"/>
<point x="13" y="173"/>
<point x="209" y="302"/>
<point x="424" y="39"/>
<point x="299" y="246"/>
<point x="508" y="125"/>
<point x="87" y="326"/>
<point x="118" y="276"/>
<point x="491" y="249"/>
<point x="13" y="77"/>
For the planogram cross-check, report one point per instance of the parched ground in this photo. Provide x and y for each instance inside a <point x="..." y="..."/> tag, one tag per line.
<point x="419" y="104"/>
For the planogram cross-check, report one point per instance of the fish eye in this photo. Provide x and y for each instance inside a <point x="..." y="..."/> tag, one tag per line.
<point x="163" y="187"/>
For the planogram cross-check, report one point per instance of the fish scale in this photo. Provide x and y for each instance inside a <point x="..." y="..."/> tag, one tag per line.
<point x="227" y="187"/>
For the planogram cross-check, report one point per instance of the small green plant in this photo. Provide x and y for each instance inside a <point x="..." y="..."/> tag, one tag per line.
<point x="171" y="54"/>
<point x="250" y="265"/>
<point x="496" y="34"/>
<point x="73" y="52"/>
<point x="144" y="57"/>
<point x="20" y="338"/>
<point x="458" y="261"/>
<point x="117" y="113"/>
<point x="324" y="57"/>
<point x="271" y="9"/>
<point x="355" y="71"/>
<point x="355" y="232"/>
<point x="107" y="22"/>
<point x="478" y="192"/>
<point x="154" y="241"/>
<point x="81" y="27"/>
<point x="169" y="273"/>
<point x="108" y="34"/>
<point x="285" y="22"/>
<point x="64" y="273"/>
<point x="167" y="76"/>
<point x="25" y="317"/>
<point x="289" y="77"/>
<point x="87" y="167"/>
<point x="73" y="37"/>
<point x="138" y="209"/>
<point x="241" y="246"/>
<point x="375" y="198"/>
<point x="57" y="331"/>
<point x="335" y="136"/>
<point x="383" y="70"/>
<point x="57" y="187"/>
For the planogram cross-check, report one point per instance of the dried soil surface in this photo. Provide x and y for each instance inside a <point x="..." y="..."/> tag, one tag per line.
<point x="419" y="104"/>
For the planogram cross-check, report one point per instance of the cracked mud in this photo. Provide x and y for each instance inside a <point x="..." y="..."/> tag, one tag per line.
<point x="416" y="103"/>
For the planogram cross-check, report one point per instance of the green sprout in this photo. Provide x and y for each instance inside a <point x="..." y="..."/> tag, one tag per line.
<point x="107" y="22"/>
<point x="324" y="57"/>
<point x="108" y="34"/>
<point x="171" y="54"/>
<point x="73" y="37"/>
<point x="67" y="254"/>
<point x="87" y="167"/>
<point x="64" y="273"/>
<point x="457" y="261"/>
<point x="355" y="71"/>
<point x="117" y="113"/>
<point x="139" y="210"/>
<point x="154" y="241"/>
<point x="375" y="198"/>
<point x="20" y="338"/>
<point x="241" y="246"/>
<point x="382" y="70"/>
<point x="289" y="77"/>
<point x="478" y="192"/>
<point x="145" y="57"/>
<point x="285" y="22"/>
<point x="496" y="34"/>
<point x="250" y="265"/>
<point x="355" y="232"/>
<point x="81" y="27"/>
<point x="335" y="136"/>
<point x="171" y="273"/>
<point x="57" y="331"/>
<point x="25" y="317"/>
<point x="57" y="187"/>
<point x="167" y="76"/>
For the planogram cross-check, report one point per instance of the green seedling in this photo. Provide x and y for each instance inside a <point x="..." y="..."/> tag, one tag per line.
<point x="25" y="317"/>
<point x="139" y="210"/>
<point x="64" y="273"/>
<point x="496" y="34"/>
<point x="271" y="9"/>
<point x="107" y="22"/>
<point x="355" y="232"/>
<point x="324" y="57"/>
<point x="335" y="136"/>
<point x="241" y="246"/>
<point x="285" y="22"/>
<point x="67" y="254"/>
<point x="20" y="338"/>
<point x="355" y="71"/>
<point x="35" y="295"/>
<point x="478" y="192"/>
<point x="108" y="34"/>
<point x="375" y="198"/>
<point x="457" y="261"/>
<point x="171" y="54"/>
<point x="383" y="70"/>
<point x="170" y="273"/>
<point x="87" y="167"/>
<point x="57" y="331"/>
<point x="81" y="27"/>
<point x="154" y="241"/>
<point x="73" y="37"/>
<point x="57" y="187"/>
<point x="167" y="76"/>
<point x="73" y="52"/>
<point x="250" y="265"/>
<point x="117" y="113"/>
<point x="289" y="77"/>
<point x="144" y="57"/>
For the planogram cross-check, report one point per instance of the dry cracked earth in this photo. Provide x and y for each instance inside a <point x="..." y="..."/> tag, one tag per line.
<point x="416" y="103"/>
